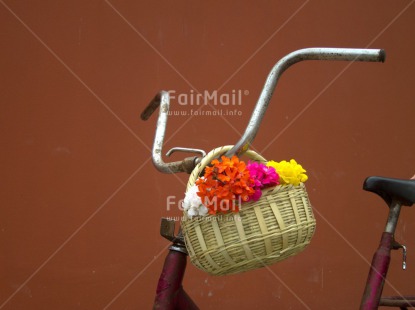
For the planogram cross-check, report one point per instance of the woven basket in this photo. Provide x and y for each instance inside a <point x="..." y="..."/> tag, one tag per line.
<point x="280" y="224"/>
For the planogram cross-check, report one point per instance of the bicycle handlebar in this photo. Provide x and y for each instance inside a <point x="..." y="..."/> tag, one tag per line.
<point x="348" y="54"/>
<point x="162" y="99"/>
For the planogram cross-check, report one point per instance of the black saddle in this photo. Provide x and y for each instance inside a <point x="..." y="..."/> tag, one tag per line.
<point x="392" y="189"/>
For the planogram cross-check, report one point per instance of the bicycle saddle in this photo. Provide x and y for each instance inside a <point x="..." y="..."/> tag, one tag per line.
<point x="392" y="189"/>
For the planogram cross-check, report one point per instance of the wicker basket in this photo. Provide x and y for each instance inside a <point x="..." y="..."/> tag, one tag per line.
<point x="280" y="224"/>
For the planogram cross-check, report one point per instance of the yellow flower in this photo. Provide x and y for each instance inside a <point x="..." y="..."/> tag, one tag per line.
<point x="289" y="172"/>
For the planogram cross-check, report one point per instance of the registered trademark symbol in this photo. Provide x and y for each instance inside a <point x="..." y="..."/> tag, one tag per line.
<point x="246" y="92"/>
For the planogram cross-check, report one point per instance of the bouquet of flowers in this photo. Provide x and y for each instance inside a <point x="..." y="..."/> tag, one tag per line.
<point x="229" y="182"/>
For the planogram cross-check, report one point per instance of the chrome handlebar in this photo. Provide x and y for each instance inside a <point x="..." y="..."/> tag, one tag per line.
<point x="162" y="99"/>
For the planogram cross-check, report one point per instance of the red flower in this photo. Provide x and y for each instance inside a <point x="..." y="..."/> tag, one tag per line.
<point x="225" y="185"/>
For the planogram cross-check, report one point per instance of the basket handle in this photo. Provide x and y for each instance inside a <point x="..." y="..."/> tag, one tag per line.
<point x="215" y="153"/>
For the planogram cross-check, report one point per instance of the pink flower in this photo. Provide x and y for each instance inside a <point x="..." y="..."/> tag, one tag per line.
<point x="263" y="177"/>
<point x="257" y="194"/>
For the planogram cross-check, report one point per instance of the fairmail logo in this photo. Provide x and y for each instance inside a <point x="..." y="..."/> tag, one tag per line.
<point x="233" y="98"/>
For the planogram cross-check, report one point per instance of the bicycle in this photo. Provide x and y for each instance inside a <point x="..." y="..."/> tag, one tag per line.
<point x="395" y="192"/>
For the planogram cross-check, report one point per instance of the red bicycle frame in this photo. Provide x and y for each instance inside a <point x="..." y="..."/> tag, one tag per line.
<point x="395" y="193"/>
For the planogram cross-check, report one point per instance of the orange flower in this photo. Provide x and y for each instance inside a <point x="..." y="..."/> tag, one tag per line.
<point x="225" y="185"/>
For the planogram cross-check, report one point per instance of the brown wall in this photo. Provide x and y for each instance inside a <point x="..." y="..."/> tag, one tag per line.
<point x="81" y="202"/>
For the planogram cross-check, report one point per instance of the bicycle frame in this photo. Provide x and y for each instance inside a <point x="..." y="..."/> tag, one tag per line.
<point x="380" y="262"/>
<point x="396" y="193"/>
<point x="170" y="293"/>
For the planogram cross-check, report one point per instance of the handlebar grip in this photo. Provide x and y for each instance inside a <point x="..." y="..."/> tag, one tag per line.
<point x="152" y="106"/>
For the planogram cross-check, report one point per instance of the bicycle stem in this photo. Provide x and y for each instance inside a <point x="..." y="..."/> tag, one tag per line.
<point x="345" y="54"/>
